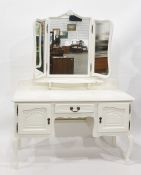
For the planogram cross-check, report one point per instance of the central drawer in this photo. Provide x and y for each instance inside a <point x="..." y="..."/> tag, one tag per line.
<point x="74" y="108"/>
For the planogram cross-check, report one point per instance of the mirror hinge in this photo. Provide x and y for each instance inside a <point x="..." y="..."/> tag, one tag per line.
<point x="17" y="128"/>
<point x="92" y="28"/>
<point x="46" y="67"/>
<point x="91" y="67"/>
<point x="17" y="110"/>
<point x="129" y="108"/>
<point x="129" y="125"/>
<point x="47" y="28"/>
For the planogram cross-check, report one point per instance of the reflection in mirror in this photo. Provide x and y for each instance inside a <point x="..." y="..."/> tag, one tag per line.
<point x="69" y="46"/>
<point x="40" y="38"/>
<point x="102" y="32"/>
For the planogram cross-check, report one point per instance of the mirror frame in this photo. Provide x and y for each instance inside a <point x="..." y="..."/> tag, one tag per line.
<point x="91" y="75"/>
<point x="37" y="73"/>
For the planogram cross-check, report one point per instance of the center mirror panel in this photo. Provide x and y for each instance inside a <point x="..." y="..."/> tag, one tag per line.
<point x="69" y="46"/>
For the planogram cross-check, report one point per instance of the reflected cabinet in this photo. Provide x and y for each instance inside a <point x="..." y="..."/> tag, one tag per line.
<point x="102" y="40"/>
<point x="70" y="45"/>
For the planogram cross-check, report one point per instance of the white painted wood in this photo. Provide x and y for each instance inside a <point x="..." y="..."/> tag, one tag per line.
<point x="73" y="116"/>
<point x="15" y="157"/>
<point x="69" y="12"/>
<point x="114" y="140"/>
<point x="130" y="147"/>
<point x="112" y="105"/>
<point x="40" y="30"/>
<point x="38" y="93"/>
<point x="84" y="97"/>
<point x="33" y="119"/>
<point x="37" y="73"/>
<point x="113" y="117"/>
<point x="79" y="108"/>
<point x="91" y="54"/>
<point x="76" y="80"/>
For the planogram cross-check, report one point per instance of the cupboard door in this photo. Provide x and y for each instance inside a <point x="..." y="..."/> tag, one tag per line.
<point x="62" y="65"/>
<point x="34" y="119"/>
<point x="113" y="117"/>
<point x="39" y="48"/>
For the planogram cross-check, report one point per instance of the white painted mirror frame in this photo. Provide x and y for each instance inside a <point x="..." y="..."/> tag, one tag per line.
<point x="91" y="53"/>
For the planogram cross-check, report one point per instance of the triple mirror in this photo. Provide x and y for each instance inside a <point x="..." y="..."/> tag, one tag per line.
<point x="72" y="45"/>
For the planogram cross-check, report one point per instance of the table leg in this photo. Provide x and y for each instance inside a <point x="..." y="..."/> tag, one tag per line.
<point x="130" y="146"/>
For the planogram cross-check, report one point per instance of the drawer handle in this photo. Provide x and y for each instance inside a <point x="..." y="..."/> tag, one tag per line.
<point x="71" y="108"/>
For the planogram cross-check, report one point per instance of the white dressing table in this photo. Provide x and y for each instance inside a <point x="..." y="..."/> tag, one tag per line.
<point x="48" y="97"/>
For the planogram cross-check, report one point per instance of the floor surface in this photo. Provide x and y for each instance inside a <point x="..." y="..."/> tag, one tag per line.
<point x="70" y="155"/>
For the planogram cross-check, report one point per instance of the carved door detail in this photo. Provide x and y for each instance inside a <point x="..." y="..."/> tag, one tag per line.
<point x="33" y="119"/>
<point x="113" y="117"/>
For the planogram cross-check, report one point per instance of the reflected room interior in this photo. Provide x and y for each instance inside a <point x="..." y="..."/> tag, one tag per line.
<point x="40" y="44"/>
<point x="102" y="32"/>
<point x="69" y="46"/>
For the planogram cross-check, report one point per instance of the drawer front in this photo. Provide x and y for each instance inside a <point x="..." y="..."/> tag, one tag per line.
<point x="74" y="108"/>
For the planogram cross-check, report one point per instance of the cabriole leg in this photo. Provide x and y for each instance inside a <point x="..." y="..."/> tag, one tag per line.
<point x="15" y="152"/>
<point x="130" y="146"/>
<point x="114" y="140"/>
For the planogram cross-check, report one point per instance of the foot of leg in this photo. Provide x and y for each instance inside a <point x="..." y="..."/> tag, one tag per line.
<point x="130" y="146"/>
<point x="114" y="140"/>
<point x="15" y="152"/>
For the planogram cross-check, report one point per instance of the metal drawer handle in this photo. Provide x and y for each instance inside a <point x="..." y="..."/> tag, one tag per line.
<point x="71" y="108"/>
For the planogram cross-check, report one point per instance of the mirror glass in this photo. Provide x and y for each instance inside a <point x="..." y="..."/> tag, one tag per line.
<point x="40" y="39"/>
<point x="69" y="46"/>
<point x="102" y="33"/>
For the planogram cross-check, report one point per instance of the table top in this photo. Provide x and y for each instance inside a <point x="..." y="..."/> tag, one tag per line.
<point x="37" y="93"/>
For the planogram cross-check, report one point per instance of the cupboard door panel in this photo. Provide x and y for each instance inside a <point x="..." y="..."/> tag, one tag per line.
<point x="113" y="117"/>
<point x="33" y="119"/>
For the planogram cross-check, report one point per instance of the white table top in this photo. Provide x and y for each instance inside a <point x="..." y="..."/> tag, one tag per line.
<point x="30" y="93"/>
